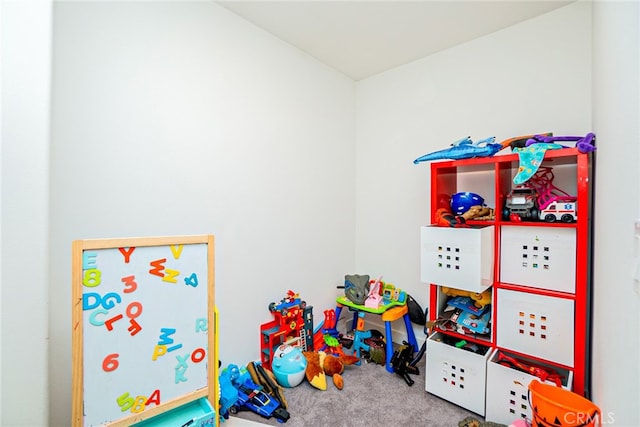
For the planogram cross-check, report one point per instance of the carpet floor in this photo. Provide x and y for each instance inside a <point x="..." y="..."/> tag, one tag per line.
<point x="371" y="397"/>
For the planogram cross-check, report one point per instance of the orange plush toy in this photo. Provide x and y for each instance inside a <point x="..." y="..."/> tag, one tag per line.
<point x="320" y="364"/>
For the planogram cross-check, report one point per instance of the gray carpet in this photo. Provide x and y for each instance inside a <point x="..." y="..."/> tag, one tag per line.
<point x="371" y="397"/>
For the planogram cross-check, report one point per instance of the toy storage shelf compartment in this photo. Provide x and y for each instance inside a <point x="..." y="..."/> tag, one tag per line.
<point x="507" y="387"/>
<point x="460" y="316"/>
<point x="542" y="257"/>
<point x="461" y="258"/>
<point x="539" y="325"/>
<point x="456" y="374"/>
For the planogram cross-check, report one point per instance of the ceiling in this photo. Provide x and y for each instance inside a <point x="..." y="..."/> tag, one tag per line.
<point x="363" y="38"/>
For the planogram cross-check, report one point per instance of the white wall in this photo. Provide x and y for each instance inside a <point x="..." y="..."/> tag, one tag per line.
<point x="26" y="55"/>
<point x="616" y="120"/>
<point x="530" y="78"/>
<point x="180" y="118"/>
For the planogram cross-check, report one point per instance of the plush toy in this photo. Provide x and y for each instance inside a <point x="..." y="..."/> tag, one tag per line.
<point x="320" y="364"/>
<point x="478" y="212"/>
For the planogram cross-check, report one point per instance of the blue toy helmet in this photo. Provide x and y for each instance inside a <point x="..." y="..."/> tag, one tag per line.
<point x="462" y="202"/>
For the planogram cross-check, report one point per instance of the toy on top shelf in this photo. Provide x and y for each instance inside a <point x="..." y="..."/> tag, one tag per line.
<point x="464" y="148"/>
<point x="584" y="144"/>
<point x="532" y="153"/>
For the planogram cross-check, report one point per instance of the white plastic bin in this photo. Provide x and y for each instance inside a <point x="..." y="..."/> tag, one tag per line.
<point x="540" y="257"/>
<point x="456" y="375"/>
<point x="460" y="258"/>
<point x="507" y="389"/>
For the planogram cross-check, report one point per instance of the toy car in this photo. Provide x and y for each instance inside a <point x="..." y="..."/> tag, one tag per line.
<point x="560" y="210"/>
<point x="521" y="201"/>
<point x="292" y="300"/>
<point x="251" y="397"/>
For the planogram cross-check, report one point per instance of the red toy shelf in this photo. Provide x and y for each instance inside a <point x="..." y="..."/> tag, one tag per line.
<point x="541" y="271"/>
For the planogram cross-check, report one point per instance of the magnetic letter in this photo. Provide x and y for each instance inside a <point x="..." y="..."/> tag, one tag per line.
<point x="109" y="323"/>
<point x="138" y="309"/>
<point x="170" y="275"/>
<point x="86" y="304"/>
<point x="139" y="404"/>
<point x="201" y="324"/>
<point x="182" y="361"/>
<point x="175" y="347"/>
<point x="159" y="350"/>
<point x="89" y="260"/>
<point x="176" y="251"/>
<point x="106" y="300"/>
<point x="198" y="355"/>
<point x="158" y="266"/>
<point x="164" y="336"/>
<point x="154" y="398"/>
<point x="126" y="253"/>
<point x="180" y="375"/>
<point x="134" y="328"/>
<point x="92" y="316"/>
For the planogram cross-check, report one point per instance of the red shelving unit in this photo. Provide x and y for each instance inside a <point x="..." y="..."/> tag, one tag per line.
<point x="541" y="281"/>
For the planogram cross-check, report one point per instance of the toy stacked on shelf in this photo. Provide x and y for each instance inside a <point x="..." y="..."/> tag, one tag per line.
<point x="537" y="268"/>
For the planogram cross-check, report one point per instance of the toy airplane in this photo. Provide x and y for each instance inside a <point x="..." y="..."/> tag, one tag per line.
<point x="464" y="148"/>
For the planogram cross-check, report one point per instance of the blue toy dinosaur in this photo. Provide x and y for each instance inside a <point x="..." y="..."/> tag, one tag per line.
<point x="464" y="148"/>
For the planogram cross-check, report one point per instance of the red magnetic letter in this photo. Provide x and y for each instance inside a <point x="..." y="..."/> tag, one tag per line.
<point x="126" y="253"/>
<point x="158" y="267"/>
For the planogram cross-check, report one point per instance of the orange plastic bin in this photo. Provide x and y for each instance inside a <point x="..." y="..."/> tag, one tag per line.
<point x="554" y="406"/>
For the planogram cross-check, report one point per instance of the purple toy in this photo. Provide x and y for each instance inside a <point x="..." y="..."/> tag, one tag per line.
<point x="585" y="144"/>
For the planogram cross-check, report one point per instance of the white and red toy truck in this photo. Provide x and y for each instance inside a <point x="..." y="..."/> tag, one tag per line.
<point x="560" y="209"/>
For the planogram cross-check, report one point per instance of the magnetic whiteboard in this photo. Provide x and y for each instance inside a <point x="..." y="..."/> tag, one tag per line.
<point x="143" y="327"/>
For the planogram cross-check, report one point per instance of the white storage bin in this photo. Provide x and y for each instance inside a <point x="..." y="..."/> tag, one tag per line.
<point x="507" y="389"/>
<point x="456" y="375"/>
<point x="460" y="258"/>
<point x="541" y="257"/>
<point x="538" y="325"/>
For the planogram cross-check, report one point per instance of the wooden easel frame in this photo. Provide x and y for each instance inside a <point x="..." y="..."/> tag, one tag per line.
<point x="211" y="391"/>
